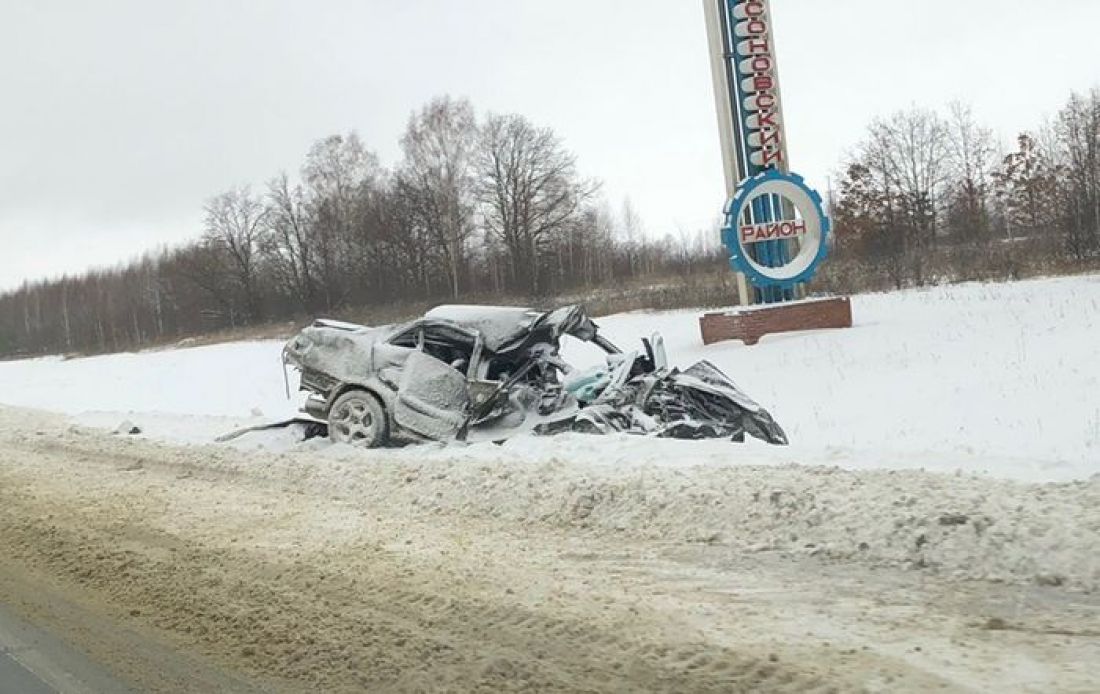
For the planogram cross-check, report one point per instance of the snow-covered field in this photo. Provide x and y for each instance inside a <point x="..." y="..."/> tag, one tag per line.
<point x="998" y="379"/>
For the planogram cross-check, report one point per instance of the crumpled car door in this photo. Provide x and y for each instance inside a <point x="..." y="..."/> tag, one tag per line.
<point x="432" y="398"/>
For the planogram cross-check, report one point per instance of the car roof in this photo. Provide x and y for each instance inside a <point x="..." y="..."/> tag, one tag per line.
<point x="498" y="325"/>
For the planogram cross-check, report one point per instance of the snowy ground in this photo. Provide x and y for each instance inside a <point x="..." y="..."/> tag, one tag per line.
<point x="534" y="565"/>
<point x="997" y="379"/>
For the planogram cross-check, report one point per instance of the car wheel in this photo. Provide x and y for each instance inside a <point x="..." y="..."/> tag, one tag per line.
<point x="358" y="418"/>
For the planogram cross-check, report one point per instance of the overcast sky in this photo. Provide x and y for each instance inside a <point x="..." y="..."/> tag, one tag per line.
<point x="119" y="118"/>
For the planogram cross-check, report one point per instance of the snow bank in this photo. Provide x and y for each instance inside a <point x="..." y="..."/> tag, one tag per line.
<point x="997" y="379"/>
<point x="958" y="525"/>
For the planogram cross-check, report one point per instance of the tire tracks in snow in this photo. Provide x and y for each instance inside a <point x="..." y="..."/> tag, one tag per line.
<point x="289" y="583"/>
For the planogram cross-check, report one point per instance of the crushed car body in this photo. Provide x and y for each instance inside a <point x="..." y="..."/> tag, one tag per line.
<point x="487" y="373"/>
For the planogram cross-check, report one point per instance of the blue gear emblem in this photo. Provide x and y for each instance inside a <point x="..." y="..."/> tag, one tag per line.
<point x="807" y="201"/>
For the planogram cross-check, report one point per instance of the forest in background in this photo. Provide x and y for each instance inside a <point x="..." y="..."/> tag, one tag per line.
<point x="493" y="208"/>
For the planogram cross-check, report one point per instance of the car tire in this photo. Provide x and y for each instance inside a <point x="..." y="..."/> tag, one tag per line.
<point x="358" y="419"/>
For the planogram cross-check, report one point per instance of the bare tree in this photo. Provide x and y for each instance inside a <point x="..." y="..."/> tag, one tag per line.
<point x="529" y="190"/>
<point x="971" y="151"/>
<point x="340" y="174"/>
<point x="908" y="153"/>
<point x="631" y="226"/>
<point x="437" y="177"/>
<point x="288" y="243"/>
<point x="1078" y="131"/>
<point x="234" y="223"/>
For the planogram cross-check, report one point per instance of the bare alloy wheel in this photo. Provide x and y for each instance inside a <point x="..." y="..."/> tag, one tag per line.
<point x="357" y="418"/>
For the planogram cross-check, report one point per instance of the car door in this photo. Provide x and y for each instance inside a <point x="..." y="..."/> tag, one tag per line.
<point x="432" y="398"/>
<point x="433" y="395"/>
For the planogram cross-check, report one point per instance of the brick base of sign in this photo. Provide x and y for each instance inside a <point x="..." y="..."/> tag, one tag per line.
<point x="754" y="322"/>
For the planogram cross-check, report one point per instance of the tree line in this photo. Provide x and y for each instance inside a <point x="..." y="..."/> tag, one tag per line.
<point x="929" y="197"/>
<point x="493" y="208"/>
<point x="488" y="206"/>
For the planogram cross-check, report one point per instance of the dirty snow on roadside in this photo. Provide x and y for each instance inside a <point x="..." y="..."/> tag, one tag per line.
<point x="388" y="573"/>
<point x="958" y="525"/>
<point x="998" y="379"/>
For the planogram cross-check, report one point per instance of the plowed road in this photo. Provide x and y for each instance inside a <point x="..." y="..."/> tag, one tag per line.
<point x="198" y="569"/>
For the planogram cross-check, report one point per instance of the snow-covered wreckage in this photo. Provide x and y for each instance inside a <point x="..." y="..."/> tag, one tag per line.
<point x="488" y="373"/>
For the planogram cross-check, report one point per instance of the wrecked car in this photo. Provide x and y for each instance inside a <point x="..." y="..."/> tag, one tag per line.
<point x="487" y="373"/>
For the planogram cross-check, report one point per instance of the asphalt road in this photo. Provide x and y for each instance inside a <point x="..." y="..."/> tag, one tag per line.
<point x="17" y="679"/>
<point x="32" y="661"/>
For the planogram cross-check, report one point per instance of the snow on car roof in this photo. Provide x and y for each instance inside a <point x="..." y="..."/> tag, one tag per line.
<point x="497" y="324"/>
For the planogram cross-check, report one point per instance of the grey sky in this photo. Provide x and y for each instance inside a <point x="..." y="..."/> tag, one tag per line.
<point x="119" y="118"/>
